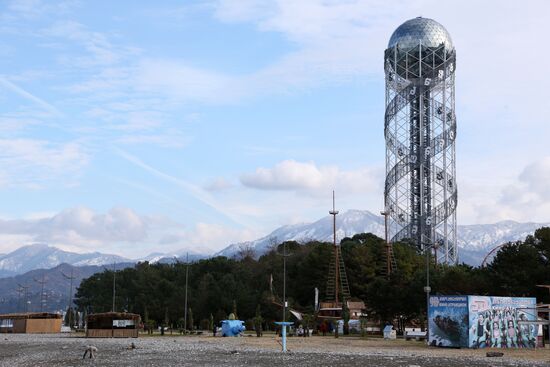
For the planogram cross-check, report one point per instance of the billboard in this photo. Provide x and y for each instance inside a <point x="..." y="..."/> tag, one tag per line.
<point x="482" y="322"/>
<point x="448" y="321"/>
<point x="498" y="322"/>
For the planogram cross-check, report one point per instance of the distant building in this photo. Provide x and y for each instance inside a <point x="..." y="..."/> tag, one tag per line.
<point x="30" y="323"/>
<point x="113" y="325"/>
<point x="333" y="310"/>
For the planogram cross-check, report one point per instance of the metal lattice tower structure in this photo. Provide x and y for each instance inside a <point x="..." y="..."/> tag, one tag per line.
<point x="337" y="282"/>
<point x="420" y="192"/>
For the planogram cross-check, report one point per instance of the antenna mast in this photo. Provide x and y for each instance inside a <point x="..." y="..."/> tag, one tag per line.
<point x="334" y="212"/>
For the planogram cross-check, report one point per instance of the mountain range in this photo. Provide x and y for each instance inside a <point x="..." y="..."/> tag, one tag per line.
<point x="474" y="242"/>
<point x="28" y="265"/>
<point x="22" y="292"/>
<point x="40" y="256"/>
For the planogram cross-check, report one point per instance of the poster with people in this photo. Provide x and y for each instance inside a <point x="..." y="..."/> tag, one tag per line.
<point x="448" y="321"/>
<point x="500" y="322"/>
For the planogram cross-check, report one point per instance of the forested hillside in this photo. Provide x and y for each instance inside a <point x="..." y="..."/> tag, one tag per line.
<point x="218" y="286"/>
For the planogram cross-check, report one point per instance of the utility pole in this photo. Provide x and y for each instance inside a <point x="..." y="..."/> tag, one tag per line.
<point x="114" y="287"/>
<point x="19" y="291"/>
<point x="186" y="284"/>
<point x="70" y="305"/>
<point x="24" y="288"/>
<point x="41" y="282"/>
<point x="334" y="212"/>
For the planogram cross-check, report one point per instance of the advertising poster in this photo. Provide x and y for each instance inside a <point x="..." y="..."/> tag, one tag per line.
<point x="499" y="322"/>
<point x="448" y="321"/>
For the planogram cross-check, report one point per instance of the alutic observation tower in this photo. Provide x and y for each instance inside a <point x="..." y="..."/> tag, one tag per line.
<point x="420" y="130"/>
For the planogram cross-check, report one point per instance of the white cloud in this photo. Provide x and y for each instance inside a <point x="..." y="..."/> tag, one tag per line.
<point x="96" y="44"/>
<point x="181" y="82"/>
<point x="197" y="192"/>
<point x="25" y="94"/>
<point x="308" y="177"/>
<point x="218" y="184"/>
<point x="536" y="177"/>
<point x="120" y="230"/>
<point x="524" y="196"/>
<point x="32" y="163"/>
<point x="81" y="227"/>
<point x="207" y="237"/>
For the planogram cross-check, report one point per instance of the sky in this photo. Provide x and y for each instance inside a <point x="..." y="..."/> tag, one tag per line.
<point x="132" y="127"/>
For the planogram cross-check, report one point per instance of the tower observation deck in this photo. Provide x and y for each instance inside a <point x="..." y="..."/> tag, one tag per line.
<point x="420" y="191"/>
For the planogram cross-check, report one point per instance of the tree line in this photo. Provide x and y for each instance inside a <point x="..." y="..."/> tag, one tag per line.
<point x="251" y="288"/>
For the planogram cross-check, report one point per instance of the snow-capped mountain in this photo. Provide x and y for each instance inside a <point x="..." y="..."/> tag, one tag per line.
<point x="41" y="256"/>
<point x="485" y="236"/>
<point x="347" y="224"/>
<point x="474" y="241"/>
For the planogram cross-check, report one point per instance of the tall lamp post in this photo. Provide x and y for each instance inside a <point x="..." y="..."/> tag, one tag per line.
<point x="114" y="287"/>
<point x="186" y="284"/>
<point x="427" y="289"/>
<point x="284" y="323"/>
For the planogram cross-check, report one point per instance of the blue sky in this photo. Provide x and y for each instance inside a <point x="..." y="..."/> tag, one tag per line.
<point x="135" y="127"/>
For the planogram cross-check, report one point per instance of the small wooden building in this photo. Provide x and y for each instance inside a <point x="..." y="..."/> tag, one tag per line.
<point x="332" y="310"/>
<point x="31" y="323"/>
<point x="112" y="325"/>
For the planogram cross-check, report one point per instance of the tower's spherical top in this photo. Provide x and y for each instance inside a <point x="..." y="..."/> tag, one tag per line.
<point x="432" y="34"/>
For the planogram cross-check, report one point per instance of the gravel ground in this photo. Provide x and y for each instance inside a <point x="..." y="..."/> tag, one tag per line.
<point x="65" y="350"/>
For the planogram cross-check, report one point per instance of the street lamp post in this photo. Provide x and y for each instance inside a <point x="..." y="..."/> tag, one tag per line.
<point x="186" y="284"/>
<point x="427" y="289"/>
<point x="284" y="323"/>
<point x="114" y="286"/>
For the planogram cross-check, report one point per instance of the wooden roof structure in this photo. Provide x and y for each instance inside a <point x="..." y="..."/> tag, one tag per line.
<point x="30" y="315"/>
<point x="113" y="315"/>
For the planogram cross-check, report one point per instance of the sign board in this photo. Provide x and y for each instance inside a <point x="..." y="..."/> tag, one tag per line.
<point x="123" y="323"/>
<point x="448" y="321"/>
<point x="6" y="323"/>
<point x="482" y="322"/>
<point x="498" y="322"/>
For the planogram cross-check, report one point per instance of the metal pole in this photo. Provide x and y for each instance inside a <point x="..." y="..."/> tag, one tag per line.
<point x="186" y="283"/>
<point x="114" y="286"/>
<point x="71" y="291"/>
<point x="41" y="282"/>
<point x="284" y="284"/>
<point x="334" y="212"/>
<point x="24" y="288"/>
<point x="388" y="245"/>
<point x="427" y="289"/>
<point x="19" y="292"/>
<point x="283" y="335"/>
<point x="70" y="305"/>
